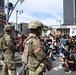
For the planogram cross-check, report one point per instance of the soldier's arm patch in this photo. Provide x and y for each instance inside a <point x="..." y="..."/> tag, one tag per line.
<point x="41" y="54"/>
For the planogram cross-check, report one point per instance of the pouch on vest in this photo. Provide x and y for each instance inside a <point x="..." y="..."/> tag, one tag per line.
<point x="40" y="69"/>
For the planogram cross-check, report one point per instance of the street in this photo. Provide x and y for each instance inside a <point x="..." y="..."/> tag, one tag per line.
<point x="56" y="70"/>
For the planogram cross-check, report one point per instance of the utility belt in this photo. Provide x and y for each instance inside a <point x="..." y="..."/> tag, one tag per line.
<point x="37" y="71"/>
<point x="40" y="68"/>
<point x="33" y="63"/>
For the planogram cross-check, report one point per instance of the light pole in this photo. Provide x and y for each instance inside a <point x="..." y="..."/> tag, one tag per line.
<point x="60" y="25"/>
<point x="18" y="11"/>
<point x="10" y="12"/>
<point x="7" y="10"/>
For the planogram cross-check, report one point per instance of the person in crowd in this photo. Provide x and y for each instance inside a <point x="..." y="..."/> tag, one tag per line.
<point x="33" y="57"/>
<point x="51" y="37"/>
<point x="52" y="52"/>
<point x="69" y="61"/>
<point x="60" y="47"/>
<point x="20" y="43"/>
<point x="63" y="40"/>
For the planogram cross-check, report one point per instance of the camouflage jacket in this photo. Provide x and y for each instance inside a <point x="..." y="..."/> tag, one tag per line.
<point x="33" y="53"/>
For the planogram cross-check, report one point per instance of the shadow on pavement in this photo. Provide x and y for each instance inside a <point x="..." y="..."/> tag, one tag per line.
<point x="18" y="64"/>
<point x="0" y="67"/>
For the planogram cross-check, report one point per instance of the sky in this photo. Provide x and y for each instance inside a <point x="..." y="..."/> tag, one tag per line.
<point x="49" y="12"/>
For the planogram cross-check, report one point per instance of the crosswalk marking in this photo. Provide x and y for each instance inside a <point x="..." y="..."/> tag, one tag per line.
<point x="58" y="67"/>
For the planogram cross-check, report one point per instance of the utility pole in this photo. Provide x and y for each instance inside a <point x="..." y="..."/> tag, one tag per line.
<point x="9" y="14"/>
<point x="21" y="11"/>
<point x="16" y="19"/>
<point x="60" y="25"/>
<point x="7" y="10"/>
<point x="13" y="9"/>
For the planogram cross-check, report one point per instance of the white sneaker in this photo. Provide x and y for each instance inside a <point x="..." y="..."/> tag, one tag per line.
<point x="68" y="71"/>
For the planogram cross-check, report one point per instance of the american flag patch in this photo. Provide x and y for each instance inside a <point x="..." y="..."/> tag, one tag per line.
<point x="36" y="50"/>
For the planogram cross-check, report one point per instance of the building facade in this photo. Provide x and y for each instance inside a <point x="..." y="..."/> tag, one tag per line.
<point x="69" y="12"/>
<point x="2" y="17"/>
<point x="65" y="29"/>
<point x="23" y="28"/>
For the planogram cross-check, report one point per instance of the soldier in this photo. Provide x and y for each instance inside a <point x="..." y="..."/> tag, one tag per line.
<point x="8" y="48"/>
<point x="33" y="57"/>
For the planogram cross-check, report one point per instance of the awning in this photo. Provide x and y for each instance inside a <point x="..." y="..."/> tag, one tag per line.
<point x="2" y="21"/>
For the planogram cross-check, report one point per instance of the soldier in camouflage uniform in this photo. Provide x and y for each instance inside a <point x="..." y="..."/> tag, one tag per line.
<point x="8" y="48"/>
<point x="33" y="56"/>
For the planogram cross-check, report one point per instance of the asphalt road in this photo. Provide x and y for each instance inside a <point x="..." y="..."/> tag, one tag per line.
<point x="56" y="70"/>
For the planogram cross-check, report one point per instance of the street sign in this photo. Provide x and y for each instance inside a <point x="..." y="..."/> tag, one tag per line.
<point x="21" y="1"/>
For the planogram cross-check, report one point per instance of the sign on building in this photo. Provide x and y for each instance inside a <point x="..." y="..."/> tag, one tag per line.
<point x="72" y="31"/>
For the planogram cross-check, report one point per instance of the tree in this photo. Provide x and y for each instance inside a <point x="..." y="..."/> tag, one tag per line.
<point x="50" y="28"/>
<point x="45" y="28"/>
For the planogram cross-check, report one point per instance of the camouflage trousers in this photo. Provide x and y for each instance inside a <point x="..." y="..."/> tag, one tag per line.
<point x="9" y="65"/>
<point x="5" y="70"/>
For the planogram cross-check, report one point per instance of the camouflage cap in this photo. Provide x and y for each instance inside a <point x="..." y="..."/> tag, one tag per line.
<point x="8" y="27"/>
<point x="34" y="24"/>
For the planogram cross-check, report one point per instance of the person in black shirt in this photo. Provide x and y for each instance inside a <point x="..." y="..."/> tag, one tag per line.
<point x="69" y="61"/>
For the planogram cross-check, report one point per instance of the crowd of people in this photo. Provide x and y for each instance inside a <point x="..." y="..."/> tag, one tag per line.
<point x="37" y="51"/>
<point x="61" y="46"/>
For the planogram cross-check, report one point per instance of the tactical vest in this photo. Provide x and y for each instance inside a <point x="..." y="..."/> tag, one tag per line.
<point x="28" y="55"/>
<point x="4" y="47"/>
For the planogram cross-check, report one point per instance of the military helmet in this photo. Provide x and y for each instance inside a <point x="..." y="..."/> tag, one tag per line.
<point x="8" y="27"/>
<point x="34" y="24"/>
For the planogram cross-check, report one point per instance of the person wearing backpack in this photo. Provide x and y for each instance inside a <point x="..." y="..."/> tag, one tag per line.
<point x="69" y="61"/>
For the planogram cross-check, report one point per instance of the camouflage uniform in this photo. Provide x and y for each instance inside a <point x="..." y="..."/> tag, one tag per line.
<point x="8" y="49"/>
<point x="33" y="55"/>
